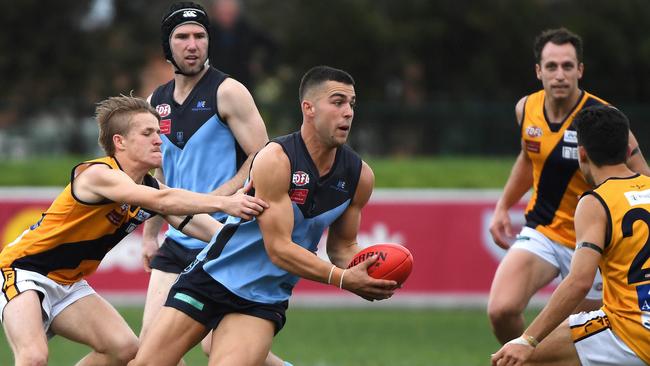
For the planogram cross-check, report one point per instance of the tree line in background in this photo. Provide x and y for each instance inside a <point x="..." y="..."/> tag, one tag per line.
<point x="432" y="76"/>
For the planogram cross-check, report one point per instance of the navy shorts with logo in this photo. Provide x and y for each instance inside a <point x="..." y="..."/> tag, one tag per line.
<point x="172" y="257"/>
<point x="207" y="301"/>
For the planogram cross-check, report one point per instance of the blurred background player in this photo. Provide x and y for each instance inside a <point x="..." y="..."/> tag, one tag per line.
<point x="548" y="162"/>
<point x="44" y="291"/>
<point x="241" y="283"/>
<point x="236" y="46"/>
<point x="612" y="224"/>
<point x="210" y="127"/>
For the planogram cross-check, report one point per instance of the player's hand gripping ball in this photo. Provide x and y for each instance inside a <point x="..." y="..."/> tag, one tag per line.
<point x="394" y="262"/>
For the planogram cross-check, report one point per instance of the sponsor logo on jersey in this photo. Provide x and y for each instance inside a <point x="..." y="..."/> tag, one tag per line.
<point x="340" y="186"/>
<point x="571" y="136"/>
<point x="533" y="146"/>
<point x="142" y="215"/>
<point x="570" y="153"/>
<point x="300" y="178"/>
<point x="164" y="110"/>
<point x="638" y="197"/>
<point x="130" y="228"/>
<point x="165" y="126"/>
<point x="298" y="195"/>
<point x="643" y="295"/>
<point x="200" y="106"/>
<point x="115" y="217"/>
<point x="533" y="131"/>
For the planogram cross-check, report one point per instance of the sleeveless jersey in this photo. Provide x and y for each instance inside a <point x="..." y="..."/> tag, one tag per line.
<point x="625" y="264"/>
<point x="72" y="236"/>
<point x="236" y="257"/>
<point x="199" y="150"/>
<point x="557" y="181"/>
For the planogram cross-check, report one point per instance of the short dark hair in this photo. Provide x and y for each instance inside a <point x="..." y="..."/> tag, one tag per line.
<point x="604" y="132"/>
<point x="558" y="36"/>
<point x="320" y="74"/>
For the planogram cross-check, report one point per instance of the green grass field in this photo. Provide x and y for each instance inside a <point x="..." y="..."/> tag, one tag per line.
<point x="438" y="172"/>
<point x="349" y="337"/>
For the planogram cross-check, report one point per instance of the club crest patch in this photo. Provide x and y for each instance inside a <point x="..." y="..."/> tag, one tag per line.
<point x="300" y="178"/>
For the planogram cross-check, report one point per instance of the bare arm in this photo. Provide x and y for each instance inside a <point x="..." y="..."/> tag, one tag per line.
<point x="519" y="182"/>
<point x="237" y="107"/>
<point x="98" y="182"/>
<point x="590" y="224"/>
<point x="199" y="226"/>
<point x="636" y="162"/>
<point x="151" y="230"/>
<point x="342" y="235"/>
<point x="271" y="174"/>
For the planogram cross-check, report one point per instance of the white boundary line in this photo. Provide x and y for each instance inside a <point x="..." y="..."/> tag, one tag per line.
<point x="327" y="300"/>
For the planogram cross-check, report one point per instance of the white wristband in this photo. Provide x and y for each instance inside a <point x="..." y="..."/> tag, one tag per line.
<point x="329" y="278"/>
<point x="341" y="283"/>
<point x="521" y="341"/>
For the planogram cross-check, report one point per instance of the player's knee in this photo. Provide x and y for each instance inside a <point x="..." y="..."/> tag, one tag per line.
<point x="499" y="312"/>
<point x="126" y="351"/>
<point x="120" y="349"/>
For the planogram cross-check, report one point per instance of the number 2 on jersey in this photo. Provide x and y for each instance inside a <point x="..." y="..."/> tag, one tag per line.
<point x="637" y="273"/>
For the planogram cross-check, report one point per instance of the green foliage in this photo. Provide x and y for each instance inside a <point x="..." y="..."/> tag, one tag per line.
<point x="444" y="172"/>
<point x="38" y="172"/>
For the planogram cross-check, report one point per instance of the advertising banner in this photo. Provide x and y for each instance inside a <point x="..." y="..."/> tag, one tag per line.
<point x="445" y="230"/>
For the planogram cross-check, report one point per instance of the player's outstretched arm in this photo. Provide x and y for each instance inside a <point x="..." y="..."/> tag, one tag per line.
<point x="271" y="173"/>
<point x="636" y="162"/>
<point x="150" y="231"/>
<point x="99" y="182"/>
<point x="199" y="226"/>
<point x="237" y="108"/>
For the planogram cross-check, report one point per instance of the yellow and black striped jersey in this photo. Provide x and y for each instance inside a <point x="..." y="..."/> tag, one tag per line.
<point x="72" y="236"/>
<point x="557" y="181"/>
<point x="625" y="265"/>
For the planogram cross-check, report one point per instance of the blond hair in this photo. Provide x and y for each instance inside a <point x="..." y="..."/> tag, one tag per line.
<point x="113" y="116"/>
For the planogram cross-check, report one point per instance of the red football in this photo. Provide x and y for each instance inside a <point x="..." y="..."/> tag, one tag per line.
<point x="394" y="263"/>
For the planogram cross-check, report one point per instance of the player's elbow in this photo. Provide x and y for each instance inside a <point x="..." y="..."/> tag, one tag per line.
<point x="276" y="255"/>
<point x="580" y="284"/>
<point x="336" y="256"/>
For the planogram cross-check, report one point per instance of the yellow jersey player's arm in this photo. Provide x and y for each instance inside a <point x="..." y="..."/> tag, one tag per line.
<point x="151" y="230"/>
<point x="342" y="235"/>
<point x="590" y="224"/>
<point x="237" y="107"/>
<point x="199" y="226"/>
<point x="270" y="174"/>
<point x="99" y="182"/>
<point x="519" y="182"/>
<point x="636" y="162"/>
